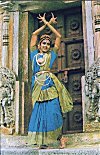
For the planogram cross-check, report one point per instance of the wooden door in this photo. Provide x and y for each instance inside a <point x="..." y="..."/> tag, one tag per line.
<point x="69" y="66"/>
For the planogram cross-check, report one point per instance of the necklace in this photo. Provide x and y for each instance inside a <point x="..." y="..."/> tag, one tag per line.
<point x="41" y="61"/>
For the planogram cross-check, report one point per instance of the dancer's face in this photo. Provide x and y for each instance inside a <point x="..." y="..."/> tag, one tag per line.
<point x="45" y="45"/>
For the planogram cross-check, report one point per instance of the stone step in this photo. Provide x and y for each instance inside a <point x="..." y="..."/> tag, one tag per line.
<point x="70" y="151"/>
<point x="78" y="144"/>
<point x="18" y="151"/>
<point x="89" y="138"/>
<point x="73" y="139"/>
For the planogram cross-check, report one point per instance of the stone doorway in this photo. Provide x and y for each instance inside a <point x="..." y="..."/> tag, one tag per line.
<point x="69" y="66"/>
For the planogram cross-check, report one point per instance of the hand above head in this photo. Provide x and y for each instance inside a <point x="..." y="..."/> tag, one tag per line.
<point x="46" y="23"/>
<point x="42" y="18"/>
<point x="53" y="19"/>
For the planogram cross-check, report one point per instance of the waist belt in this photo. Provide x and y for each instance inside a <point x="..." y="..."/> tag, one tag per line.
<point x="40" y="80"/>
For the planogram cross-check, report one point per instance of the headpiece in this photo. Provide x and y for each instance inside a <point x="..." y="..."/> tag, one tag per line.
<point x="45" y="36"/>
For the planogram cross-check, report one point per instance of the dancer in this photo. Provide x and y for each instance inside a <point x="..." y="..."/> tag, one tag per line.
<point x="49" y="96"/>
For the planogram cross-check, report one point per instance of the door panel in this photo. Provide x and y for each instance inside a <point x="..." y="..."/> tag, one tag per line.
<point x="73" y="119"/>
<point x="74" y="85"/>
<point x="73" y="25"/>
<point x="74" y="55"/>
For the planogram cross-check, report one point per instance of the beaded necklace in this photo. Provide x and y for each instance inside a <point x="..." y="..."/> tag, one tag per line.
<point x="41" y="61"/>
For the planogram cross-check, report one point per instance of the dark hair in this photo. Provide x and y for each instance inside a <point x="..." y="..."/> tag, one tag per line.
<point x="43" y="37"/>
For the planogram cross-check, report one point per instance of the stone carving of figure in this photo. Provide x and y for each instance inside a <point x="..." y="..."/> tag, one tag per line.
<point x="92" y="88"/>
<point x="7" y="80"/>
<point x="96" y="95"/>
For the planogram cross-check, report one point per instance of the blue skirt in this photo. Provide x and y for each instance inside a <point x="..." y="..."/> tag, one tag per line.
<point x="46" y="116"/>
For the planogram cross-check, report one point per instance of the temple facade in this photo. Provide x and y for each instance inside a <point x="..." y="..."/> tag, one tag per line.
<point x="77" y="65"/>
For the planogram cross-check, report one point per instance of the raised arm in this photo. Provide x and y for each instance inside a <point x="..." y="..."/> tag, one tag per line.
<point x="36" y="33"/>
<point x="58" y="35"/>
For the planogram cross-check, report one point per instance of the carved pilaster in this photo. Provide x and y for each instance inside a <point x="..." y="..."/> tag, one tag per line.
<point x="5" y="7"/>
<point x="97" y="23"/>
<point x="92" y="92"/>
<point x="96" y="16"/>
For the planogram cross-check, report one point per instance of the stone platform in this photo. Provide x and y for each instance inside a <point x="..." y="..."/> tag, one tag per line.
<point x="78" y="144"/>
<point x="30" y="151"/>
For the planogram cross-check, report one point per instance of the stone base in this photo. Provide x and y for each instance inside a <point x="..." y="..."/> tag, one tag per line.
<point x="92" y="127"/>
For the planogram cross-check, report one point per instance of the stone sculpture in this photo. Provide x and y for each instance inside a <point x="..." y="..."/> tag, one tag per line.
<point x="7" y="94"/>
<point x="92" y="88"/>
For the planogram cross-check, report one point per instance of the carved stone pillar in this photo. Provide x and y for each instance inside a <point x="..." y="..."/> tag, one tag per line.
<point x="15" y="58"/>
<point x="88" y="33"/>
<point x="6" y="6"/>
<point x="96" y="17"/>
<point x="5" y="38"/>
<point x="91" y="80"/>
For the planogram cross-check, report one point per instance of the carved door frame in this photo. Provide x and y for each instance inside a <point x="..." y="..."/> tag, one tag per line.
<point x="62" y="71"/>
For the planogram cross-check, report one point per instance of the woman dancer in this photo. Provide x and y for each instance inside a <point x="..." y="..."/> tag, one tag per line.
<point x="49" y="97"/>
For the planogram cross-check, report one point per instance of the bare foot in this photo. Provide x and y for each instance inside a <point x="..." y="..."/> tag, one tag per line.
<point x="63" y="141"/>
